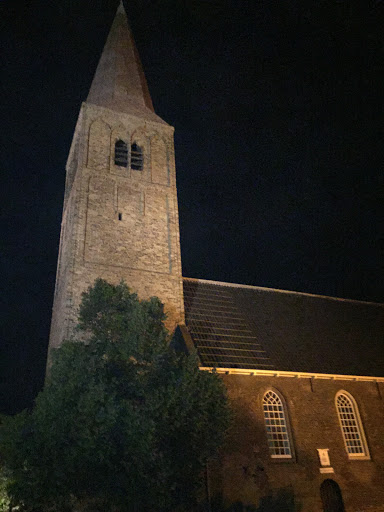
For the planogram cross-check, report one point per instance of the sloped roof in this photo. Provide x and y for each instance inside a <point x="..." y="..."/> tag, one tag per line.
<point x="236" y="326"/>
<point x="119" y="82"/>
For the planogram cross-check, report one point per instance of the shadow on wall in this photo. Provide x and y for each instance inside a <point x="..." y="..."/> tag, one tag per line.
<point x="281" y="500"/>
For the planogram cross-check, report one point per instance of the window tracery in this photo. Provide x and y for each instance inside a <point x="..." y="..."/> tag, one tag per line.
<point x="351" y="426"/>
<point x="276" y="424"/>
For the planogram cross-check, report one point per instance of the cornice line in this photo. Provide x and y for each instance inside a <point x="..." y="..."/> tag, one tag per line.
<point x="299" y="375"/>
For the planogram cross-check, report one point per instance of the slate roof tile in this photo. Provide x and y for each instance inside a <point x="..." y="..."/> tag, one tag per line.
<point x="236" y="326"/>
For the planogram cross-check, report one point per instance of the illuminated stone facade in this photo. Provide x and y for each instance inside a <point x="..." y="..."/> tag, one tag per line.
<point x="118" y="222"/>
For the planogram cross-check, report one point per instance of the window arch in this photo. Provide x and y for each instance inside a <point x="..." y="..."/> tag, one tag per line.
<point x="331" y="496"/>
<point x="276" y="424"/>
<point x="121" y="153"/>
<point x="351" y="426"/>
<point x="137" y="157"/>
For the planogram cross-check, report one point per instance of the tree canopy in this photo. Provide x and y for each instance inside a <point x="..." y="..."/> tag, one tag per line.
<point x="123" y="423"/>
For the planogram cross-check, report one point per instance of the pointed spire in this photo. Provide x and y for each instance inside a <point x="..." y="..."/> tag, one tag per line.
<point x="119" y="82"/>
<point x="120" y="8"/>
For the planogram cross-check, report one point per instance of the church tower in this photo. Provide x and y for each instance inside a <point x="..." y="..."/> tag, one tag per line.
<point x="120" y="215"/>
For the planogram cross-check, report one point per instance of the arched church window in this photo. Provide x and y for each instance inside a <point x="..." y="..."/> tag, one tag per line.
<point x="121" y="153"/>
<point x="351" y="426"/>
<point x="276" y="424"/>
<point x="137" y="157"/>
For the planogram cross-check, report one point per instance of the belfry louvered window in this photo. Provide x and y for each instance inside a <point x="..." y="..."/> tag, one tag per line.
<point x="121" y="153"/>
<point x="137" y="157"/>
<point x="351" y="426"/>
<point x="276" y="424"/>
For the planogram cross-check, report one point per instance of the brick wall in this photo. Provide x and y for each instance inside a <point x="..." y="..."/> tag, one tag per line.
<point x="118" y="223"/>
<point x="246" y="473"/>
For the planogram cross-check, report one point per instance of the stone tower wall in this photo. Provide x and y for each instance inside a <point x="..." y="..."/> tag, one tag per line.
<point x="118" y="223"/>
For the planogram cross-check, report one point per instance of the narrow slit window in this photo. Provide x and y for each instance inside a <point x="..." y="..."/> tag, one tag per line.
<point x="276" y="425"/>
<point x="120" y="216"/>
<point x="351" y="426"/>
<point x="137" y="157"/>
<point x="121" y="153"/>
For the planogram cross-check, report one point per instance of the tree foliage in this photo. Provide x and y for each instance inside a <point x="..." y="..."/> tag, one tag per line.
<point x="123" y="423"/>
<point x="4" y="498"/>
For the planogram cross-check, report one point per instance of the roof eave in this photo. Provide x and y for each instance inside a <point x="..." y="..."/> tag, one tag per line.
<point x="298" y="375"/>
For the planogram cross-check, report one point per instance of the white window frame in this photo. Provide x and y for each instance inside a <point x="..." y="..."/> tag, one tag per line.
<point x="282" y="421"/>
<point x="356" y="423"/>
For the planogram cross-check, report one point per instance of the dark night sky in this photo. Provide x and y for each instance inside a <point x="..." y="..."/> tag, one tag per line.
<point x="278" y="114"/>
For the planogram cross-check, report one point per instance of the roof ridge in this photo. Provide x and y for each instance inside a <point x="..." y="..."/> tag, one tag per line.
<point x="278" y="290"/>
